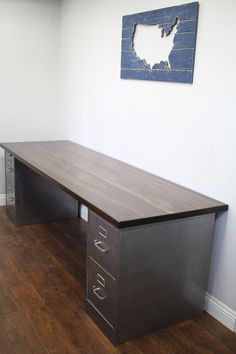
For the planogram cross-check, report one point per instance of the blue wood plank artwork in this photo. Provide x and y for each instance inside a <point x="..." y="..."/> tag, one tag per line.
<point x="177" y="22"/>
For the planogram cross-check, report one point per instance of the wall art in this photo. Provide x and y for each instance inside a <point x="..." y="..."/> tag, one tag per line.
<point x="143" y="36"/>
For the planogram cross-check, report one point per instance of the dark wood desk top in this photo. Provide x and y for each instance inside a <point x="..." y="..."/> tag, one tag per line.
<point x="122" y="194"/>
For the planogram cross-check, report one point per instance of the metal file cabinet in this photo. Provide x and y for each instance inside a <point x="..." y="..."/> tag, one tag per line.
<point x="10" y="183"/>
<point x="148" y="277"/>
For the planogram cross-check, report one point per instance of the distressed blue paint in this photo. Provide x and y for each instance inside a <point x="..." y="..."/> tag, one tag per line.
<point x="128" y="32"/>
<point x="181" y="59"/>
<point x="184" y="40"/>
<point x="181" y="56"/>
<point x="187" y="26"/>
<point x="128" y="57"/>
<point x="183" y="12"/>
<point x="127" y="44"/>
<point x="158" y="75"/>
<point x="168" y="27"/>
<point x="138" y="64"/>
<point x="163" y="65"/>
<point x="130" y="60"/>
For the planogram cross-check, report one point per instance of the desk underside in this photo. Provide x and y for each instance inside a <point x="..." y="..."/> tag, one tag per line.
<point x="35" y="199"/>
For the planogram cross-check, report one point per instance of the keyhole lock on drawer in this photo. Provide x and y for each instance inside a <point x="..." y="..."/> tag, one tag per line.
<point x="101" y="246"/>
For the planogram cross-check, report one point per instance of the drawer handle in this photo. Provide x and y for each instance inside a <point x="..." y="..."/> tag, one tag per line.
<point x="101" y="246"/>
<point x="96" y="293"/>
<point x="9" y="169"/>
<point x="10" y="199"/>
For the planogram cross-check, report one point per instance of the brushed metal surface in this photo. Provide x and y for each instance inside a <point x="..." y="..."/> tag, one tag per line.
<point x="9" y="161"/>
<point x="10" y="185"/>
<point x="163" y="274"/>
<point x="101" y="322"/>
<point x="102" y="296"/>
<point x="103" y="243"/>
<point x="161" y="280"/>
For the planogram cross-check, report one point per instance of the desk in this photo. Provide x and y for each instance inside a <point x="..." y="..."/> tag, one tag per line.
<point x="149" y="241"/>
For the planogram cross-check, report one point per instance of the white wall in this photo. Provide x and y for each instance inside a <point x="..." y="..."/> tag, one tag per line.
<point x="29" y="76"/>
<point x="185" y="133"/>
<point x="182" y="132"/>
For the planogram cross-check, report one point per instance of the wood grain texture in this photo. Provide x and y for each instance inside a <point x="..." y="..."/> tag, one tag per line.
<point x="42" y="300"/>
<point x="120" y="193"/>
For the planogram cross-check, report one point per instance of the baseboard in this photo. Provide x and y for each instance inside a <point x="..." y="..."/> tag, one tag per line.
<point x="2" y="199"/>
<point x="220" y="311"/>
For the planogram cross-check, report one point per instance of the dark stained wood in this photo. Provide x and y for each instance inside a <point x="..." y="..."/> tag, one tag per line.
<point x="122" y="194"/>
<point x="42" y="300"/>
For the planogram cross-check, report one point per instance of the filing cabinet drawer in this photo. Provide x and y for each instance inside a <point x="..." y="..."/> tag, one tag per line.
<point x="103" y="243"/>
<point x="9" y="162"/>
<point x="101" y="290"/>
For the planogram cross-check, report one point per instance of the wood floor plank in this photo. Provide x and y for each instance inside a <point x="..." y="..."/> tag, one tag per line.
<point x="42" y="300"/>
<point x="51" y="333"/>
<point x="6" y="346"/>
<point x="69" y="254"/>
<point x="177" y="342"/>
<point x="218" y="330"/>
<point x="7" y="303"/>
<point x="207" y="342"/>
<point x="22" y="334"/>
<point x="10" y="275"/>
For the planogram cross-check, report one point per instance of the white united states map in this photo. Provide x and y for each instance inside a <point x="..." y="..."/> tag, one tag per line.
<point x="162" y="43"/>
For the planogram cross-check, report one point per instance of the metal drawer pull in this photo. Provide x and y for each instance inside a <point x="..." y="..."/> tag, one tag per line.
<point x="96" y="292"/>
<point x="101" y="246"/>
<point x="10" y="199"/>
<point x="9" y="169"/>
<point x="102" y="231"/>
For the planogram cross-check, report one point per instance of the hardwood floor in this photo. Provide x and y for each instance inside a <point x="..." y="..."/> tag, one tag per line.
<point x="42" y="291"/>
